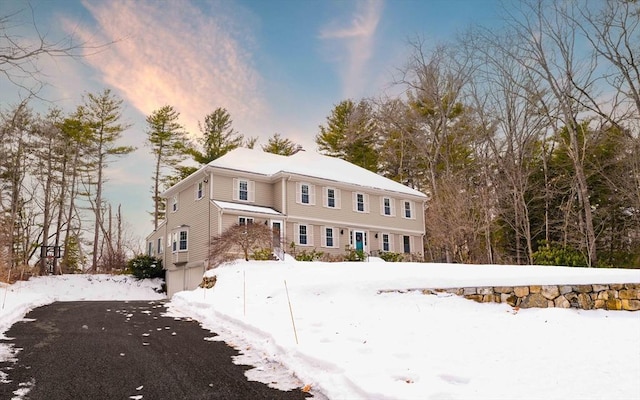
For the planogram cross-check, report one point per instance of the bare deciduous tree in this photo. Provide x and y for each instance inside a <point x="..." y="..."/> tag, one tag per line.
<point x="20" y="54"/>
<point x="548" y="51"/>
<point x="240" y="239"/>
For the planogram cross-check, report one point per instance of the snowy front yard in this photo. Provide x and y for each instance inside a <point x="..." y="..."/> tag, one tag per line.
<point x="353" y="343"/>
<point x="350" y="342"/>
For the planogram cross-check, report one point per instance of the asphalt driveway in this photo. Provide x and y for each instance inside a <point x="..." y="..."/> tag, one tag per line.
<point x="122" y="350"/>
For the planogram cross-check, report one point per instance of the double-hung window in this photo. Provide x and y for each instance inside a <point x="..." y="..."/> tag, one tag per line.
<point x="388" y="207"/>
<point x="329" y="237"/>
<point x="303" y="235"/>
<point x="182" y="245"/>
<point x="150" y="249"/>
<point x="179" y="241"/>
<point x="331" y="197"/>
<point x="408" y="209"/>
<point x="174" y="203"/>
<point x="199" y="190"/>
<point x="305" y="193"/>
<point x="159" y="245"/>
<point x="360" y="202"/>
<point x="243" y="190"/>
<point x="386" y="242"/>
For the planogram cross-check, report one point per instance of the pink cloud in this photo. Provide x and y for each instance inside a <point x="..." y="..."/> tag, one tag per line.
<point x="172" y="53"/>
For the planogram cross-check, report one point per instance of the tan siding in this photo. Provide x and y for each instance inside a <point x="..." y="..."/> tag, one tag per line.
<point x="194" y="214"/>
<point x="277" y="195"/>
<point x="372" y="222"/>
<point x="264" y="194"/>
<point x="345" y="216"/>
<point x="222" y="188"/>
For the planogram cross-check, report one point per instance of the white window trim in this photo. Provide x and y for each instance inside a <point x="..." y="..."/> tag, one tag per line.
<point x="246" y="219"/>
<point x="174" y="203"/>
<point x="251" y="190"/>
<point x="392" y="206"/>
<point x="312" y="193"/>
<point x="412" y="209"/>
<point x="175" y="241"/>
<point x="334" y="235"/>
<point x="391" y="242"/>
<point x="365" y="199"/>
<point x="159" y="244"/>
<point x="199" y="192"/>
<point x="150" y="248"/>
<point x="336" y="194"/>
<point x="309" y="234"/>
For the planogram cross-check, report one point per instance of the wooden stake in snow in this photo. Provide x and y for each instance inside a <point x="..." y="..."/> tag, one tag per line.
<point x="6" y="289"/>
<point x="244" y="293"/>
<point x="293" y="322"/>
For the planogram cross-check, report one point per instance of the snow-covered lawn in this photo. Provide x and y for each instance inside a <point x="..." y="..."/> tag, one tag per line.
<point x="352" y="342"/>
<point x="355" y="343"/>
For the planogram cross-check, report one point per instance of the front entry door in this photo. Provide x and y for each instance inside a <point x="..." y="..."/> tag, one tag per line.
<point x="359" y="240"/>
<point x="276" y="228"/>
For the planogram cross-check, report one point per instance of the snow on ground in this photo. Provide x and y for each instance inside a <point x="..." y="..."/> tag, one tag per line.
<point x="352" y="342"/>
<point x="18" y="299"/>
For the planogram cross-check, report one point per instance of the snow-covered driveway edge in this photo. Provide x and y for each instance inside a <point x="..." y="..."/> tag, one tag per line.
<point x="18" y="299"/>
<point x="273" y="364"/>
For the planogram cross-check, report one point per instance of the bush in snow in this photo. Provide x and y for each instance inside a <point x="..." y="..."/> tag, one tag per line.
<point x="557" y="254"/>
<point x="145" y="267"/>
<point x="264" y="254"/>
<point x="354" y="255"/>
<point x="312" y="255"/>
<point x="389" y="256"/>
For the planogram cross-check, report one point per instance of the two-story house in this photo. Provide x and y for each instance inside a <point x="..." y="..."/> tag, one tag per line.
<point x="310" y="200"/>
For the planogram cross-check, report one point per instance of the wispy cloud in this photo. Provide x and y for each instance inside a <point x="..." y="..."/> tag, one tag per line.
<point x="175" y="53"/>
<point x="355" y="42"/>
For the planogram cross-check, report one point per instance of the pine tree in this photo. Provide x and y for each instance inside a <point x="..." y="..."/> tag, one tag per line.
<point x="218" y="137"/>
<point x="350" y="135"/>
<point x="102" y="113"/>
<point x="279" y="145"/>
<point x="168" y="143"/>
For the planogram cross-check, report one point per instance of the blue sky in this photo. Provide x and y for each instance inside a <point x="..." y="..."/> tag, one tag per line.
<point x="276" y="66"/>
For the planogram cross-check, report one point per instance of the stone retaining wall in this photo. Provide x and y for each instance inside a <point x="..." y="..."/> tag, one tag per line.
<point x="622" y="296"/>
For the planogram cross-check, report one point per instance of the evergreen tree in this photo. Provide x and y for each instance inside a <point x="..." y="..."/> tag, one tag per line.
<point x="279" y="145"/>
<point x="167" y="140"/>
<point x="218" y="137"/>
<point x="102" y="113"/>
<point x="350" y="135"/>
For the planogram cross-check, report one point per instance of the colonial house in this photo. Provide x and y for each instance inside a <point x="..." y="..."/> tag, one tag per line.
<point x="312" y="201"/>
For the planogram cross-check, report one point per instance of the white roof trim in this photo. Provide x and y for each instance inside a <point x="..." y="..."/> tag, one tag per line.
<point x="225" y="205"/>
<point x="311" y="165"/>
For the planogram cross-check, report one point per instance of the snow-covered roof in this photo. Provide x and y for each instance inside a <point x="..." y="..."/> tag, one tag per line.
<point x="225" y="205"/>
<point x="308" y="164"/>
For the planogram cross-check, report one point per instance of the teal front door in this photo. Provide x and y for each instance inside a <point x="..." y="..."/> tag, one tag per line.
<point x="359" y="240"/>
